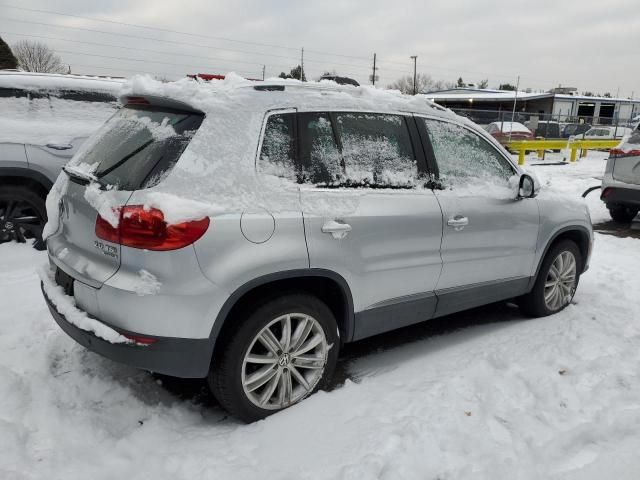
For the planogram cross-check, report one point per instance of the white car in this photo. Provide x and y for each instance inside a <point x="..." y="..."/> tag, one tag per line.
<point x="44" y="118"/>
<point x="621" y="181"/>
<point x="606" y="133"/>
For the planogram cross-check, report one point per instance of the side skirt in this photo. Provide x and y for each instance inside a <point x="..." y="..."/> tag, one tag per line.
<point x="403" y="311"/>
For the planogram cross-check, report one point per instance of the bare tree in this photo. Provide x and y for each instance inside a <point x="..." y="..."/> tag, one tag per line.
<point x="482" y="84"/>
<point x="37" y="57"/>
<point x="424" y="84"/>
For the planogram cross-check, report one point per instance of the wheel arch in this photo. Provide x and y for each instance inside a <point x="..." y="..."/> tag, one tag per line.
<point x="578" y="234"/>
<point x="327" y="285"/>
<point x="26" y="177"/>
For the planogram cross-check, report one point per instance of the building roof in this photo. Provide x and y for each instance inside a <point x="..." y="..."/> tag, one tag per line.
<point x="487" y="95"/>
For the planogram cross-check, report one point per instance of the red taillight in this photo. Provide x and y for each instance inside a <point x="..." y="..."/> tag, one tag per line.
<point x="146" y="228"/>
<point x="618" y="152"/>
<point x="605" y="193"/>
<point x="137" y="101"/>
<point x="140" y="340"/>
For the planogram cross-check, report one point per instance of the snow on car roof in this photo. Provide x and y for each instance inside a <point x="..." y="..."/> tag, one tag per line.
<point x="54" y="82"/>
<point x="208" y="96"/>
<point x="511" y="127"/>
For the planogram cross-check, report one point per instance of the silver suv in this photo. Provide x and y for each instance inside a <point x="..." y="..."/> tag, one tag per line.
<point x="244" y="233"/>
<point x="44" y="118"/>
<point x="621" y="181"/>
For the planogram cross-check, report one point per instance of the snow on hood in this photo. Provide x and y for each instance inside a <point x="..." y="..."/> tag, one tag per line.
<point x="216" y="173"/>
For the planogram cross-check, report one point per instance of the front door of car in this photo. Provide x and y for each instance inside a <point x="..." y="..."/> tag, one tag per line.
<point x="489" y="237"/>
<point x="367" y="217"/>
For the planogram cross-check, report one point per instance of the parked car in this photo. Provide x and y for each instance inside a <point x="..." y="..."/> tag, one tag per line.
<point x="246" y="236"/>
<point x="621" y="181"/>
<point x="340" y="80"/>
<point x="606" y="133"/>
<point x="575" y="129"/>
<point x="545" y="129"/>
<point x="503" y="131"/>
<point x="44" y="119"/>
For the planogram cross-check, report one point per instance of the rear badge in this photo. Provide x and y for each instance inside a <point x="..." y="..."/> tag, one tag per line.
<point x="108" y="250"/>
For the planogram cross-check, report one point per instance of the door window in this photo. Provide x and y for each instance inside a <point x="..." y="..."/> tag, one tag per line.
<point x="377" y="150"/>
<point x="320" y="159"/>
<point x="463" y="156"/>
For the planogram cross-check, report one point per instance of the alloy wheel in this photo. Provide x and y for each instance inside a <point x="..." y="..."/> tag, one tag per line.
<point x="19" y="221"/>
<point x="560" y="284"/>
<point x="285" y="361"/>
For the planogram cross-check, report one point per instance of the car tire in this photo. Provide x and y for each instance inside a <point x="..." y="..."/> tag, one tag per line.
<point x="22" y="215"/>
<point x="552" y="293"/>
<point x="261" y="370"/>
<point x="622" y="214"/>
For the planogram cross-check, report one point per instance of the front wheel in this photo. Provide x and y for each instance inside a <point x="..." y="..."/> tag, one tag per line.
<point x="556" y="282"/>
<point x="281" y="353"/>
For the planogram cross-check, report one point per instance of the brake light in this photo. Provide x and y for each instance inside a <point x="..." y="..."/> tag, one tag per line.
<point x="137" y="101"/>
<point x="618" y="152"/>
<point x="140" y="340"/>
<point x="147" y="229"/>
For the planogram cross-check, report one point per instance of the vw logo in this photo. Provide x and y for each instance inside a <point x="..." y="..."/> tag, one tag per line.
<point x="284" y="360"/>
<point x="8" y="226"/>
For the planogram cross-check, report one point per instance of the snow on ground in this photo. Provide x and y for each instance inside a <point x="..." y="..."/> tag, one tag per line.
<point x="502" y="398"/>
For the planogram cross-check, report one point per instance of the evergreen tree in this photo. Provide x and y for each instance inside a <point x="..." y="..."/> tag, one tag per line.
<point x="7" y="60"/>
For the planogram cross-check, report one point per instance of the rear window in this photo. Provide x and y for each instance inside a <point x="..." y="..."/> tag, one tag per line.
<point x="139" y="146"/>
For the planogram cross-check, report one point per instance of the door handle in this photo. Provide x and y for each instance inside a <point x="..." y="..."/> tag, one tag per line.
<point x="458" y="222"/>
<point x="338" y="230"/>
<point x="59" y="146"/>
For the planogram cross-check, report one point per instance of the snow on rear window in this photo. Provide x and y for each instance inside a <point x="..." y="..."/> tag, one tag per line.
<point x="277" y="154"/>
<point x="138" y="146"/>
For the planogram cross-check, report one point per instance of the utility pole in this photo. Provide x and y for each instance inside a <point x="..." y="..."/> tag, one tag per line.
<point x="373" y="76"/>
<point x="264" y="67"/>
<point x="513" y="113"/>
<point x="415" y="61"/>
<point x="302" y="64"/>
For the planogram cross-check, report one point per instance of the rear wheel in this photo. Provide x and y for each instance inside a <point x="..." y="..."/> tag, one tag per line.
<point x="281" y="353"/>
<point x="22" y="215"/>
<point x="556" y="282"/>
<point x="622" y="214"/>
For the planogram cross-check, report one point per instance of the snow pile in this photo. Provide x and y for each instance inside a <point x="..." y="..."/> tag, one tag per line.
<point x="40" y="121"/>
<point x="66" y="305"/>
<point x="147" y="285"/>
<point x="503" y="398"/>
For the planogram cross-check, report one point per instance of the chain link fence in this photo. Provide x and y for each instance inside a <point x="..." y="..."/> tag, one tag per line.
<point x="554" y="126"/>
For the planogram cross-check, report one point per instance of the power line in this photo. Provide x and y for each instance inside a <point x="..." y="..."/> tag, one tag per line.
<point x="256" y="63"/>
<point x="197" y="67"/>
<point x="192" y="34"/>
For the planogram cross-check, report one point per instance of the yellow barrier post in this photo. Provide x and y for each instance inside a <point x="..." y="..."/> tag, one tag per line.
<point x="574" y="152"/>
<point x="521" y="154"/>
<point x="541" y="154"/>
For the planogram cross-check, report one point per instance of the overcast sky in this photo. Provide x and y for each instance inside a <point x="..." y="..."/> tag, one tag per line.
<point x="593" y="46"/>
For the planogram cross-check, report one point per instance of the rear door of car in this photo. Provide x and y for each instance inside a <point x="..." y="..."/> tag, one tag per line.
<point x="489" y="237"/>
<point x="368" y="216"/>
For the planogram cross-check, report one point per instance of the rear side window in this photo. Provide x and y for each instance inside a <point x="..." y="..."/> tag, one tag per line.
<point x="376" y="149"/>
<point x="463" y="155"/>
<point x="137" y="147"/>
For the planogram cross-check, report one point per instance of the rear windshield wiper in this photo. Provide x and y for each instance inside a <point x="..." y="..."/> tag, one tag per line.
<point x="79" y="176"/>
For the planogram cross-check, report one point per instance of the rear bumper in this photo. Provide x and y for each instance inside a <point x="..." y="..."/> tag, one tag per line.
<point x="178" y="357"/>
<point x="621" y="196"/>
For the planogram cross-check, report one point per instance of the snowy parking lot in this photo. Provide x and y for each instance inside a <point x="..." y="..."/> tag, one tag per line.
<point x="482" y="394"/>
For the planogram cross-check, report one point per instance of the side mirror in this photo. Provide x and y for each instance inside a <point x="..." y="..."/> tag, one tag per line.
<point x="527" y="187"/>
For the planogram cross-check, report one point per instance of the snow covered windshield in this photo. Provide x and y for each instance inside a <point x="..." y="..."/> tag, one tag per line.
<point x="138" y="146"/>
